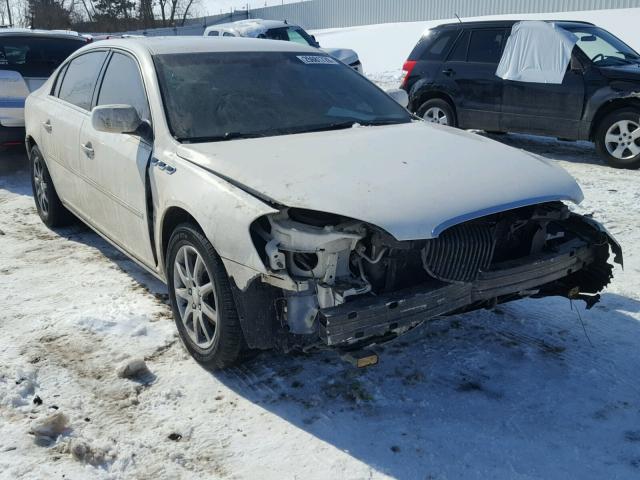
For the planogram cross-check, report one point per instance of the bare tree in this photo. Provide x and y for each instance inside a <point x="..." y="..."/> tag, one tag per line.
<point x="171" y="10"/>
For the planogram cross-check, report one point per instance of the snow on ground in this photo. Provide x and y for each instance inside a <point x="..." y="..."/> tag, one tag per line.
<point x="514" y="393"/>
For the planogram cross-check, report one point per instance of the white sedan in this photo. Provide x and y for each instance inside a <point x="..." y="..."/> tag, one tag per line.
<point x="289" y="203"/>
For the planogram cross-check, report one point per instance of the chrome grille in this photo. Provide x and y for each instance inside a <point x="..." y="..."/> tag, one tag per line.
<point x="460" y="252"/>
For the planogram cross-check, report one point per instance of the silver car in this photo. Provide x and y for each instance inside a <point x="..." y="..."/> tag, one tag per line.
<point x="290" y="203"/>
<point x="284" y="31"/>
<point x="27" y="58"/>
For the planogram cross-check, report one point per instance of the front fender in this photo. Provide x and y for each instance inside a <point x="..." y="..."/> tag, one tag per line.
<point x="224" y="213"/>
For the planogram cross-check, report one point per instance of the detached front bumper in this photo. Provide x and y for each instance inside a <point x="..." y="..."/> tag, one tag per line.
<point x="578" y="264"/>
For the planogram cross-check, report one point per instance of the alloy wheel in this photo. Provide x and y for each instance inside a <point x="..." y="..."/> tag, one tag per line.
<point x="622" y="140"/>
<point x="40" y="184"/>
<point x="436" y="115"/>
<point x="195" y="297"/>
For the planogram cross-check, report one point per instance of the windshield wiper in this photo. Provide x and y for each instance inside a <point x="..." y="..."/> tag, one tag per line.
<point x="385" y="121"/>
<point x="221" y="138"/>
<point x="326" y="128"/>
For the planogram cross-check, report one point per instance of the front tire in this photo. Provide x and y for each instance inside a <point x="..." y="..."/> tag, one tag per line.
<point x="50" y="209"/>
<point x="438" y="111"/>
<point x="618" y="138"/>
<point x="201" y="300"/>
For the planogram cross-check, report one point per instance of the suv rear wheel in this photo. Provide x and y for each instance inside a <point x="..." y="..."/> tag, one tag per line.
<point x="201" y="299"/>
<point x="618" y="138"/>
<point x="437" y="111"/>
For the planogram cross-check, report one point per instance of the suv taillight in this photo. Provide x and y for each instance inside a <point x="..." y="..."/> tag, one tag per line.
<point x="407" y="68"/>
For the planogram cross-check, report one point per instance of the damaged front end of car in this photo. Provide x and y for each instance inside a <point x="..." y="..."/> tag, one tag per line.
<point x="335" y="281"/>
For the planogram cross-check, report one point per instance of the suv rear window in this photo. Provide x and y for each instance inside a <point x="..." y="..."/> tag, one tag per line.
<point x="35" y="56"/>
<point x="438" y="48"/>
<point x="486" y="45"/>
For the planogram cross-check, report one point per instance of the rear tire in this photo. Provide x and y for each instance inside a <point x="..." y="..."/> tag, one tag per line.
<point x="618" y="138"/>
<point x="438" y="111"/>
<point x="50" y="209"/>
<point x="201" y="299"/>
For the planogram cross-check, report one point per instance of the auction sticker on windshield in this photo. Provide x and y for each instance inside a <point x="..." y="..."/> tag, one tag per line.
<point x="317" y="60"/>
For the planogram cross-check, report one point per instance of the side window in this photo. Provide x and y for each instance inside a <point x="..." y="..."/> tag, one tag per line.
<point x="80" y="80"/>
<point x="122" y="85"/>
<point x="295" y="36"/>
<point x="459" y="52"/>
<point x="486" y="46"/>
<point x="214" y="33"/>
<point x="227" y="34"/>
<point x="439" y="47"/>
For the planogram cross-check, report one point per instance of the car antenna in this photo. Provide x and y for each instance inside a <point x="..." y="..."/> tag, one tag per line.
<point x="458" y="17"/>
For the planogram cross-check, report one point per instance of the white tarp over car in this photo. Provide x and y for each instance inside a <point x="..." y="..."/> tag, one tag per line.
<point x="536" y="52"/>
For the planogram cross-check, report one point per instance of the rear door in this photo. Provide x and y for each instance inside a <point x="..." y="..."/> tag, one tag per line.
<point x="66" y="111"/>
<point x="26" y="61"/>
<point x="470" y="71"/>
<point x="115" y="165"/>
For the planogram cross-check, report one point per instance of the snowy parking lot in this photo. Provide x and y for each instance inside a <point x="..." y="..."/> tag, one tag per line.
<point x="518" y="392"/>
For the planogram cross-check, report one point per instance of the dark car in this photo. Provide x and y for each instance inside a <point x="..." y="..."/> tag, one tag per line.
<point x="451" y="79"/>
<point x="27" y="59"/>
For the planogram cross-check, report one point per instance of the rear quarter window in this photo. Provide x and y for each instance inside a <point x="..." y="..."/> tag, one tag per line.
<point x="436" y="46"/>
<point x="36" y="57"/>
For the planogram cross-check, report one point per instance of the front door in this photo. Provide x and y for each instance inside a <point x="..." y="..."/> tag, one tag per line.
<point x="543" y="108"/>
<point x="116" y="164"/>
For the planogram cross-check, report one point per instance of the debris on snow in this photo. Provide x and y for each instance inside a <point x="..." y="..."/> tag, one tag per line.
<point x="50" y="427"/>
<point x="82" y="451"/>
<point x="134" y="369"/>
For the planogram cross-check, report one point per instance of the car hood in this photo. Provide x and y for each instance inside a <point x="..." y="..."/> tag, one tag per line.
<point x="344" y="55"/>
<point x="623" y="72"/>
<point x="413" y="180"/>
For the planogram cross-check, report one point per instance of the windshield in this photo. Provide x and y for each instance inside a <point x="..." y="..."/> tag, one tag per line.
<point x="33" y="56"/>
<point x="603" y="48"/>
<point x="222" y="96"/>
<point x="290" y="34"/>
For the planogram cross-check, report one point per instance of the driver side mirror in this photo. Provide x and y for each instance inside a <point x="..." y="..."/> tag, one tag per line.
<point x="316" y="43"/>
<point x="116" y="119"/>
<point x="399" y="96"/>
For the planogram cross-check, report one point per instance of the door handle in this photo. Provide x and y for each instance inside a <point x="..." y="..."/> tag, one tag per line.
<point x="47" y="126"/>
<point x="448" y="72"/>
<point x="87" y="148"/>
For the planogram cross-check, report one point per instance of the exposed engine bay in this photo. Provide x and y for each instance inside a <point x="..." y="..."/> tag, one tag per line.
<point x="343" y="281"/>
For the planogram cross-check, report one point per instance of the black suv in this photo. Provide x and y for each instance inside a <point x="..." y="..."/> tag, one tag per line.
<point x="451" y="79"/>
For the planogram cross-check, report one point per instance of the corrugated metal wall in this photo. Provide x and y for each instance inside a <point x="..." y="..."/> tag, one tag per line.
<point x="315" y="14"/>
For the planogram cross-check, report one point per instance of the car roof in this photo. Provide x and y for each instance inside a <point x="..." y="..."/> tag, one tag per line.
<point x="251" y="27"/>
<point x="510" y="23"/>
<point x="25" y="32"/>
<point x="169" y="45"/>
